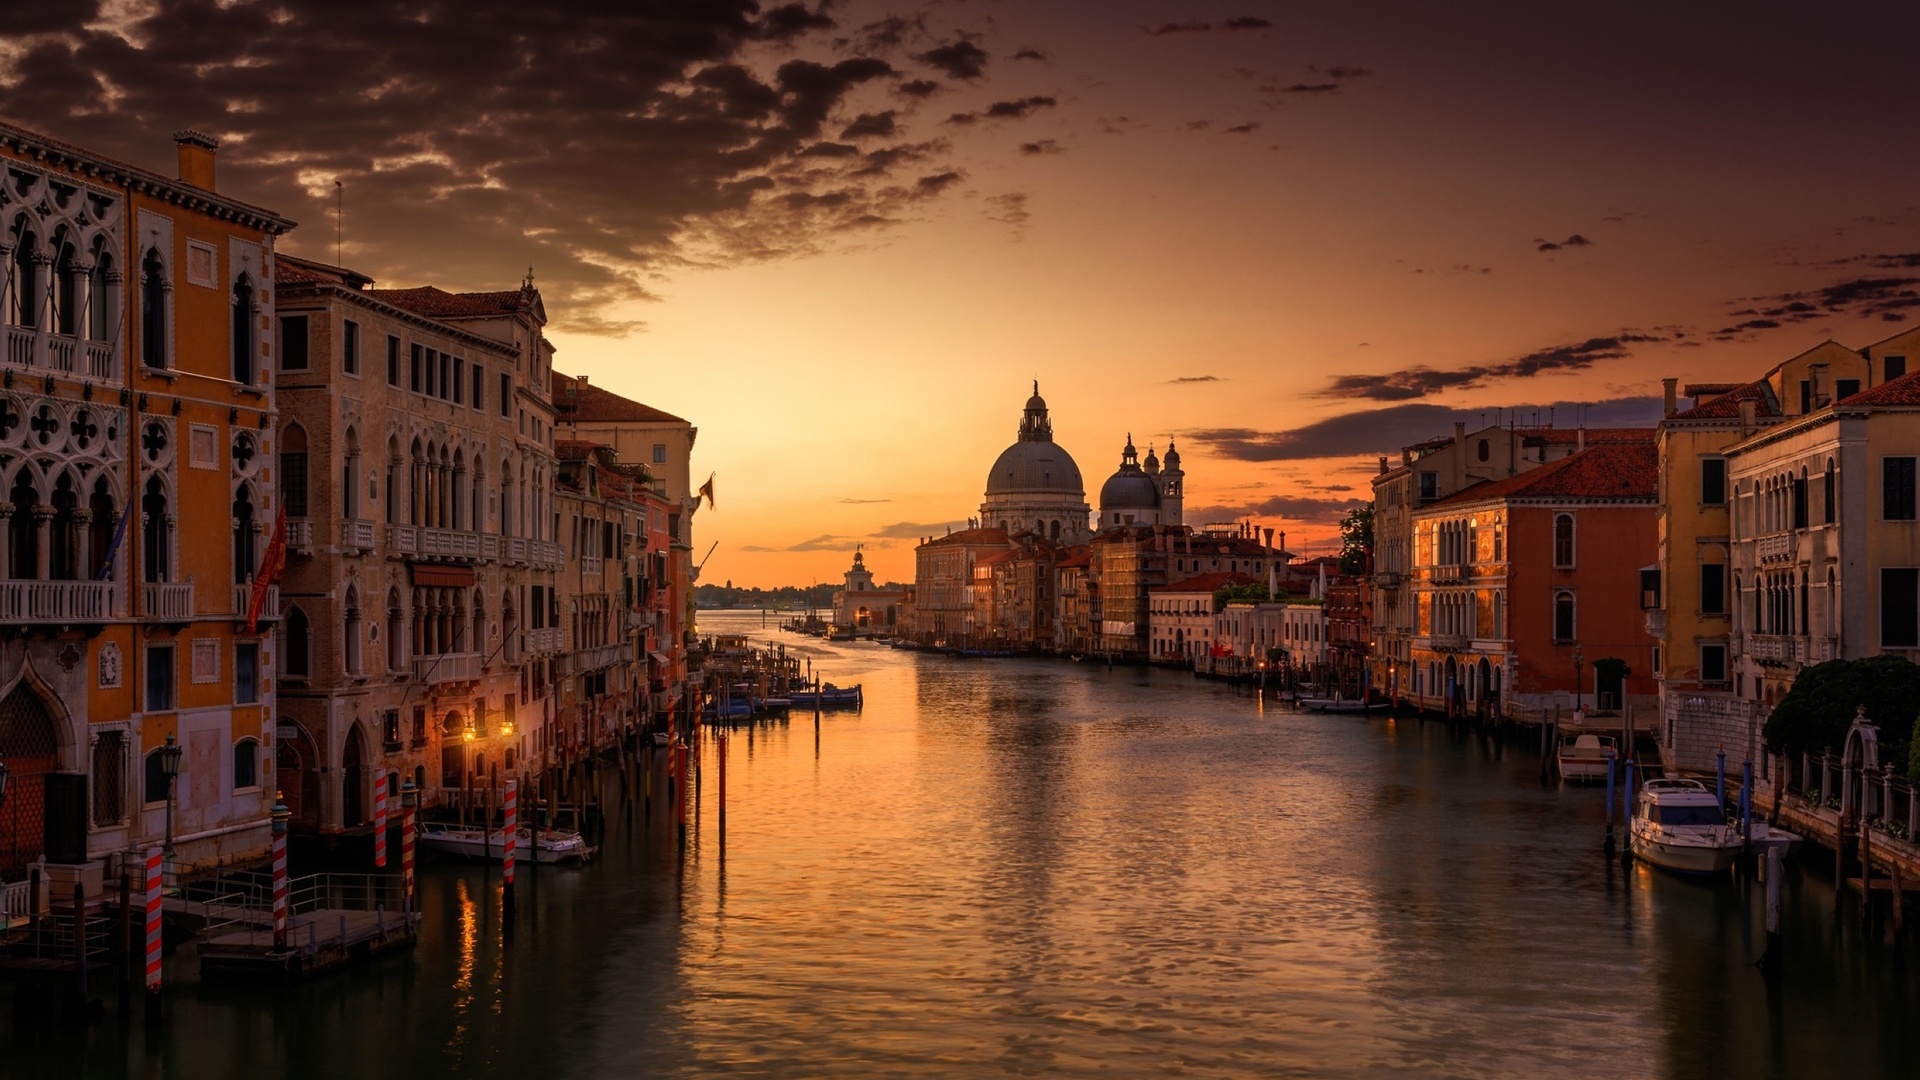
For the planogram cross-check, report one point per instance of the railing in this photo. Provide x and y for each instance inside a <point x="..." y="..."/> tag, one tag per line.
<point x="1656" y="622"/>
<point x="548" y="639"/>
<point x="1387" y="579"/>
<point x="1790" y="648"/>
<point x="300" y="534"/>
<point x="28" y="347"/>
<point x="1776" y="547"/>
<point x="61" y="351"/>
<point x="1883" y="798"/>
<point x="490" y="547"/>
<point x="546" y="554"/>
<point x="449" y="543"/>
<point x="16" y="903"/>
<point x="100" y="363"/>
<point x="20" y="342"/>
<point x="355" y="533"/>
<point x="243" y="599"/>
<point x="403" y="540"/>
<point x="594" y="659"/>
<point x="1449" y="642"/>
<point x="56" y="601"/>
<point x="517" y="549"/>
<point x="168" y="601"/>
<point x="592" y="565"/>
<point x="447" y="667"/>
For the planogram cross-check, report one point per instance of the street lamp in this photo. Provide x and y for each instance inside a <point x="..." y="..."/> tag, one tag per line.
<point x="170" y="769"/>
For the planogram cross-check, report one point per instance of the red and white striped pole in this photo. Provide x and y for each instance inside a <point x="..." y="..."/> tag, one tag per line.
<point x="280" y="816"/>
<point x="380" y="820"/>
<point x="507" y="844"/>
<point x="409" y="801"/>
<point x="152" y="921"/>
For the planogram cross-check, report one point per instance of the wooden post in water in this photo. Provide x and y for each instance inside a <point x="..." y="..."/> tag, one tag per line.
<point x="466" y="799"/>
<point x="1626" y="815"/>
<point x="720" y="745"/>
<point x="1770" y="960"/>
<point x="1609" y="840"/>
<point x="486" y="823"/>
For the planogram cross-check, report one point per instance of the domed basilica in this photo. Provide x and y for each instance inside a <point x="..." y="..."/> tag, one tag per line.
<point x="1035" y="486"/>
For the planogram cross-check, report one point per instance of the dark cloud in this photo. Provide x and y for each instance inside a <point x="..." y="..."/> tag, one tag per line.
<point x="1198" y="125"/>
<point x="938" y="182"/>
<point x="823" y="542"/>
<point x="882" y="161"/>
<point x="1191" y="26"/>
<point x="1017" y="109"/>
<point x="1576" y="240"/>
<point x="1009" y="209"/>
<point x="1032" y="54"/>
<point x="1344" y="71"/>
<point x="1301" y="508"/>
<point x="598" y="143"/>
<point x="1247" y="128"/>
<point x="914" y="530"/>
<point x="1313" y="88"/>
<point x="919" y="88"/>
<point x="1419" y="381"/>
<point x="1246" y="22"/>
<point x="1890" y="299"/>
<point x="869" y="124"/>
<point x="830" y="149"/>
<point x="864" y="502"/>
<point x="789" y="21"/>
<point x="1044" y="146"/>
<point x="961" y="59"/>
<point x="1456" y="269"/>
<point x="882" y="35"/>
<point x="1387" y="429"/>
<point x="1195" y="379"/>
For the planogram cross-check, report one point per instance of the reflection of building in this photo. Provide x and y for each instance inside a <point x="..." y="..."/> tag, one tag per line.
<point x="137" y="462"/>
<point x="864" y="608"/>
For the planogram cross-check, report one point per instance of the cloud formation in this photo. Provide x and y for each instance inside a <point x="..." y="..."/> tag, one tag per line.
<point x="1576" y="240"/>
<point x="1016" y="109"/>
<point x="1387" y="429"/>
<point x="1195" y="379"/>
<point x="1274" y="509"/>
<point x="1420" y="381"/>
<point x="1889" y="299"/>
<point x="1043" y="146"/>
<point x="598" y="143"/>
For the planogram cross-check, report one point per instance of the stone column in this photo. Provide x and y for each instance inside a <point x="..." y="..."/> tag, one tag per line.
<point x="43" y="531"/>
<point x="83" y="569"/>
<point x="6" y="540"/>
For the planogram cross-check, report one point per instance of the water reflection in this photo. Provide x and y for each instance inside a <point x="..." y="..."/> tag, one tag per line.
<point x="1056" y="869"/>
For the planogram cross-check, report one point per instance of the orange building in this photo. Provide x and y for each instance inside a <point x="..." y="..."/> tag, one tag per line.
<point x="136" y="457"/>
<point x="1522" y="585"/>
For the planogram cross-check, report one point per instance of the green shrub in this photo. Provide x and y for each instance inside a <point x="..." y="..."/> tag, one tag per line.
<point x="1816" y="713"/>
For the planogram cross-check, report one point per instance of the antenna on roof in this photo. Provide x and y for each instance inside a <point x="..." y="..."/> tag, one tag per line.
<point x="339" y="223"/>
<point x="527" y="285"/>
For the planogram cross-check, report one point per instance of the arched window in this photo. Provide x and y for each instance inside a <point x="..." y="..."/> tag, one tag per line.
<point x="396" y="632"/>
<point x="155" y="536"/>
<point x="393" y="478"/>
<point x="244" y="539"/>
<point x="64" y="537"/>
<point x="1563" y="624"/>
<point x="23" y="308"/>
<point x="1563" y="541"/>
<point x="102" y="303"/>
<point x="1833" y="588"/>
<point x="350" y="476"/>
<point x="103" y="528"/>
<point x="246" y="764"/>
<point x="299" y="643"/>
<point x="351" y="634"/>
<point x="243" y="331"/>
<point x="1827" y="496"/>
<point x="153" y="311"/>
<point x="67" y="279"/>
<point x="23" y="537"/>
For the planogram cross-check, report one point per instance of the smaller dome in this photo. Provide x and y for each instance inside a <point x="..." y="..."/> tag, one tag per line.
<point x="1129" y="489"/>
<point x="1152" y="463"/>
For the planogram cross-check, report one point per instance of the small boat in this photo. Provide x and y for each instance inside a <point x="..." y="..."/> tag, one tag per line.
<point x="1585" y="757"/>
<point x="828" y="697"/>
<point x="772" y="704"/>
<point x="739" y="708"/>
<point x="1338" y="704"/>
<point x="1680" y="825"/>
<point x="473" y="842"/>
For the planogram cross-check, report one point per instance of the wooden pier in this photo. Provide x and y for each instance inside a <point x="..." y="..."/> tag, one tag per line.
<point x="333" y="920"/>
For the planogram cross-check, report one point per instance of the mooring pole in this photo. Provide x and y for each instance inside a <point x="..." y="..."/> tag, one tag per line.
<point x="1720" y="778"/>
<point x="1770" y="961"/>
<point x="1626" y="814"/>
<point x="380" y="820"/>
<point x="153" y="1004"/>
<point x="280" y="816"/>
<point x="512" y="802"/>
<point x="1609" y="839"/>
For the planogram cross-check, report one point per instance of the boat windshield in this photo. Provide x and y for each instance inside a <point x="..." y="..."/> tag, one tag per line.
<point x="1689" y="815"/>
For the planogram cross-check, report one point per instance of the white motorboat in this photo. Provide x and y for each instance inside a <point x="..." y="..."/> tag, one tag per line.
<point x="1338" y="704"/>
<point x="1680" y="825"/>
<point x="473" y="842"/>
<point x="1585" y="757"/>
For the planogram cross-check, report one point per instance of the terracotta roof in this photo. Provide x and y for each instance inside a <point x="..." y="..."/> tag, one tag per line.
<point x="1904" y="390"/>
<point x="1629" y="470"/>
<point x="996" y="557"/>
<point x="1077" y="556"/>
<point x="970" y="536"/>
<point x="1709" y="389"/>
<point x="580" y="401"/>
<point x="292" y="270"/>
<point x="436" y="303"/>
<point x="1206" y="583"/>
<point x="1727" y="405"/>
<point x="574" y="449"/>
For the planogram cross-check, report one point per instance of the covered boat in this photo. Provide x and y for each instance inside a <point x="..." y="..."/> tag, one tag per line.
<point x="1585" y="757"/>
<point x="828" y="697"/>
<point x="1680" y="825"/>
<point x="474" y="842"/>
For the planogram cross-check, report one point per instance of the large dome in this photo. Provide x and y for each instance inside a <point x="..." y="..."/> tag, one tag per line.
<point x="1035" y="466"/>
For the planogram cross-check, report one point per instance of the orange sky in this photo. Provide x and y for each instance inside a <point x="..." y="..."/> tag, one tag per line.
<point x="842" y="239"/>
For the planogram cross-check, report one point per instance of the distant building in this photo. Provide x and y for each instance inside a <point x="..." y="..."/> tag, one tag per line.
<point x="944" y="583"/>
<point x="864" y="607"/>
<point x="1139" y="494"/>
<point x="1034" y="485"/>
<point x="1181" y="617"/>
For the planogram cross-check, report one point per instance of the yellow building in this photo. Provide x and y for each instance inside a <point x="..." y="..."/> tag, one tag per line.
<point x="137" y="377"/>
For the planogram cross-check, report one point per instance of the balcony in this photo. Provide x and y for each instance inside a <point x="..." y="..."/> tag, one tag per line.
<point x="1448" y="642"/>
<point x="355" y="533"/>
<point x="55" y="601"/>
<point x="403" y="540"/>
<point x="1777" y="547"/>
<point x="269" y="609"/>
<point x="1783" y="649"/>
<point x="592" y="565"/>
<point x="549" y="639"/>
<point x="31" y="348"/>
<point x="546" y="555"/>
<point x="1387" y="579"/>
<point x="603" y="656"/>
<point x="490" y="547"/>
<point x="1657" y="622"/>
<point x="454" y="544"/>
<point x="447" y="668"/>
<point x="300" y="535"/>
<point x="167" y="601"/>
<point x="517" y="550"/>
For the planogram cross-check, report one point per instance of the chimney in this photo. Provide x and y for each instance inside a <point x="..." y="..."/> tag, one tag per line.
<point x="1459" y="431"/>
<point x="1406" y="456"/>
<point x="1269" y="539"/>
<point x="196" y="157"/>
<point x="1383" y="464"/>
<point x="1747" y="424"/>
<point x="1580" y="439"/>
<point x="1670" y="386"/>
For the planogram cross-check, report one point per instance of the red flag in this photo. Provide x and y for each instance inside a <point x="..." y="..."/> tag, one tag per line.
<point x="269" y="573"/>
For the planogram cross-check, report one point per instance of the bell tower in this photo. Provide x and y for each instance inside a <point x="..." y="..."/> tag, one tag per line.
<point x="1173" y="484"/>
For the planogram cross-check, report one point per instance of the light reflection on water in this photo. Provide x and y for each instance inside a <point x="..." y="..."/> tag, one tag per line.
<point x="1024" y="868"/>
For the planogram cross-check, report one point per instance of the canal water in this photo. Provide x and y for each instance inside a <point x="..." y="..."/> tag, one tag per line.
<point x="1042" y="868"/>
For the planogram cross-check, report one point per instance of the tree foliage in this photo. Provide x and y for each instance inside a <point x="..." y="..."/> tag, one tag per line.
<point x="1253" y="593"/>
<point x="1816" y="713"/>
<point x="1356" y="541"/>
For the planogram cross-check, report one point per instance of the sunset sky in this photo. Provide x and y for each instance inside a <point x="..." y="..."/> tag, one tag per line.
<point x="842" y="240"/>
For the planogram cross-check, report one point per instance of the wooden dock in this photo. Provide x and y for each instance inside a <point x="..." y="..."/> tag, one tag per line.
<point x="317" y="941"/>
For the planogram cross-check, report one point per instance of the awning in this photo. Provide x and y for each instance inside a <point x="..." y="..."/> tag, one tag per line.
<point x="447" y="576"/>
<point x="659" y="658"/>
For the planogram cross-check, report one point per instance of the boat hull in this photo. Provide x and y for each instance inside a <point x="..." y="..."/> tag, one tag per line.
<point x="467" y="842"/>
<point x="1684" y="857"/>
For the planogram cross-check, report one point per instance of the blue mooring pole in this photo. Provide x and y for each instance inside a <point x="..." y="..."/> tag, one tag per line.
<point x="1626" y="813"/>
